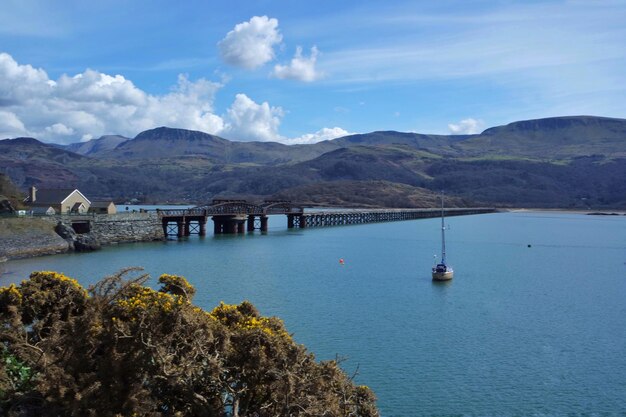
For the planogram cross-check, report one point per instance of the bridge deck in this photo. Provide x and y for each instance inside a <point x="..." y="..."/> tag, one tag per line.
<point x="231" y="216"/>
<point x="336" y="218"/>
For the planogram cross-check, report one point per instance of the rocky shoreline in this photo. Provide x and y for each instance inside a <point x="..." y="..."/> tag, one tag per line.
<point x="27" y="238"/>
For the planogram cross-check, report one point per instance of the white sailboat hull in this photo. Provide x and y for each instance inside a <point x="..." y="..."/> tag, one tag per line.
<point x="443" y="276"/>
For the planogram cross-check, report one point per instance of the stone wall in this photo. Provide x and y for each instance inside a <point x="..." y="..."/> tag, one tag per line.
<point x="35" y="236"/>
<point x="109" y="229"/>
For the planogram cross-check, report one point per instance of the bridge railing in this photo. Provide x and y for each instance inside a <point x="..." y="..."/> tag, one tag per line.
<point x="181" y="212"/>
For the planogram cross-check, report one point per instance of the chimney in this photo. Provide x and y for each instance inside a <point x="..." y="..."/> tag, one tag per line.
<point x="32" y="191"/>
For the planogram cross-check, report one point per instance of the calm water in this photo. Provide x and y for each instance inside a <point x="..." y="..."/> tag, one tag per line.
<point x="521" y="330"/>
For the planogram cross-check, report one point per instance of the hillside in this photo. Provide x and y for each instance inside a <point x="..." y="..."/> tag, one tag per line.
<point x="98" y="146"/>
<point x="557" y="138"/>
<point x="28" y="161"/>
<point x="577" y="162"/>
<point x="10" y="196"/>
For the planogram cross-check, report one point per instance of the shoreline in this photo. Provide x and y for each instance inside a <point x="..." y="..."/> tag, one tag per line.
<point x="29" y="237"/>
<point x="37" y="236"/>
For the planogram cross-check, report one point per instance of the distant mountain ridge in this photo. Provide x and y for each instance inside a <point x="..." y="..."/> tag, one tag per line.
<point x="573" y="161"/>
<point x="96" y="146"/>
<point x="573" y="135"/>
<point x="593" y="134"/>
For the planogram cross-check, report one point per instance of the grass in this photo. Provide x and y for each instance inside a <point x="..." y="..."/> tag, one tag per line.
<point x="20" y="225"/>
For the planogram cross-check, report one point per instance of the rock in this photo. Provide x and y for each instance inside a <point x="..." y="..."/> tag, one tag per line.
<point x="5" y="206"/>
<point x="79" y="243"/>
<point x="86" y="243"/>
<point x="65" y="231"/>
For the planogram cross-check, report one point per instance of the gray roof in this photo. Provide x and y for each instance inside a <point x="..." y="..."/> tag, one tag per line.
<point x="52" y="196"/>
<point x="42" y="210"/>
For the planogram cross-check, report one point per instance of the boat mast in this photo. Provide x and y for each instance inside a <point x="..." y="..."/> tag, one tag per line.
<point x="443" y="234"/>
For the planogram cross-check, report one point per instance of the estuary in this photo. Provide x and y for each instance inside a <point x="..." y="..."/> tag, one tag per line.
<point x="532" y="324"/>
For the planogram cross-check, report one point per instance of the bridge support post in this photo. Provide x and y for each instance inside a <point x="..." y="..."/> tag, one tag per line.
<point x="218" y="226"/>
<point x="202" y="224"/>
<point x="181" y="228"/>
<point x="302" y="222"/>
<point x="290" y="221"/>
<point x="263" y="223"/>
<point x="230" y="227"/>
<point x="164" y="222"/>
<point x="186" y="228"/>
<point x="251" y="223"/>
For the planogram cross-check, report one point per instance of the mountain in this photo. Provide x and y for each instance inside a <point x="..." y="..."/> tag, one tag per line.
<point x="553" y="138"/>
<point x="439" y="143"/>
<point x="164" y="142"/>
<point x="95" y="147"/>
<point x="577" y="162"/>
<point x="28" y="161"/>
<point x="30" y="148"/>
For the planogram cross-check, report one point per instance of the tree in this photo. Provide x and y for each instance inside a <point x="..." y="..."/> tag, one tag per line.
<point x="121" y="348"/>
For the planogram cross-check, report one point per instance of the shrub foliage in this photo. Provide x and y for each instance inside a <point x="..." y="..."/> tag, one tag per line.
<point x="124" y="349"/>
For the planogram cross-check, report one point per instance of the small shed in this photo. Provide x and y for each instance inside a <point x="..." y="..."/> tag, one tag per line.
<point x="103" y="207"/>
<point x="43" y="211"/>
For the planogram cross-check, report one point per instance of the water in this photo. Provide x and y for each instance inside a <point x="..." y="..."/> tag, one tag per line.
<point x="520" y="330"/>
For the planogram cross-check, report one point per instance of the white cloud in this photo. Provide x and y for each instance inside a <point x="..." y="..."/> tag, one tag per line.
<point x="248" y="121"/>
<point x="319" y="136"/>
<point x="466" y="127"/>
<point x="251" y="44"/>
<point x="60" y="129"/>
<point x="19" y="83"/>
<point x="91" y="104"/>
<point x="10" y="125"/>
<point x="300" y="68"/>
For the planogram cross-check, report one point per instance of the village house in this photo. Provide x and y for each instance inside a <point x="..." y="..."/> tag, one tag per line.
<point x="61" y="201"/>
<point x="103" y="207"/>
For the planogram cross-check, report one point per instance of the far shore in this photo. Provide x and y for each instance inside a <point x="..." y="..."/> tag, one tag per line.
<point x="597" y="212"/>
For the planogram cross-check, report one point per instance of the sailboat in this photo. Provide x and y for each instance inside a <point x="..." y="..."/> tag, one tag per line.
<point x="442" y="271"/>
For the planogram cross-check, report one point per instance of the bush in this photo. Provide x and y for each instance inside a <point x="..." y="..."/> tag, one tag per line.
<point x="122" y="349"/>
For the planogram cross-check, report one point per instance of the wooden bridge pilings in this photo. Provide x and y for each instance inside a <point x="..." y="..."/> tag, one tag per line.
<point x="238" y="216"/>
<point x="375" y="216"/>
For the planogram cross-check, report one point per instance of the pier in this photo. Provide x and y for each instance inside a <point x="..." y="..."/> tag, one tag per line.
<point x="240" y="216"/>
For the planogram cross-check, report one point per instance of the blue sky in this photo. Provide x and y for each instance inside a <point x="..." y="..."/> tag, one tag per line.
<point x="300" y="72"/>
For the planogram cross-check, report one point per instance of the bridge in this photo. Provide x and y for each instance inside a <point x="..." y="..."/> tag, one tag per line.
<point x="229" y="217"/>
<point x="239" y="216"/>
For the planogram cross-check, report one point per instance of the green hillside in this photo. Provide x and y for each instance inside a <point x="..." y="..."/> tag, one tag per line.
<point x="576" y="162"/>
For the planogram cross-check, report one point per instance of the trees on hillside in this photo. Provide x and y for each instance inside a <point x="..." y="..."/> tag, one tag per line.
<point x="121" y="349"/>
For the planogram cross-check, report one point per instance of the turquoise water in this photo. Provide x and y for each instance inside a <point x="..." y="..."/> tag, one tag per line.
<point x="521" y="330"/>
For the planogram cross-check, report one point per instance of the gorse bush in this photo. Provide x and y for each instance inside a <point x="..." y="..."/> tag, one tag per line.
<point x="124" y="349"/>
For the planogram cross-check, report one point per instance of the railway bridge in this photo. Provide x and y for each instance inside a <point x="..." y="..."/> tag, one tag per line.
<point x="229" y="216"/>
<point x="239" y="216"/>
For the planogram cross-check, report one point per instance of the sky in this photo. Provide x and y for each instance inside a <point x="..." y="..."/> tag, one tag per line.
<point x="300" y="72"/>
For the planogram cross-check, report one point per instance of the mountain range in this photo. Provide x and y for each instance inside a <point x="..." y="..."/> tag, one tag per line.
<point x="568" y="162"/>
